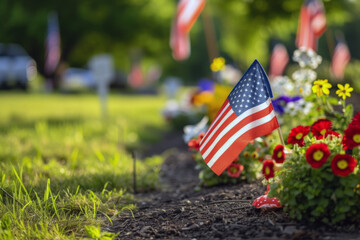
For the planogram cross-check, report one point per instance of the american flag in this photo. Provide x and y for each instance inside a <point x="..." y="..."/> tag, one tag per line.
<point x="246" y="114"/>
<point x="52" y="45"/>
<point x="179" y="43"/>
<point x="187" y="13"/>
<point x="340" y="59"/>
<point x="278" y="60"/>
<point x="312" y="24"/>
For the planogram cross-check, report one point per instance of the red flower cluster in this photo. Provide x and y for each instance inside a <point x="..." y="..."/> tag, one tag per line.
<point x="268" y="169"/>
<point x="317" y="154"/>
<point x="351" y="137"/>
<point x="322" y="128"/>
<point x="343" y="164"/>
<point x="234" y="170"/>
<point x="297" y="134"/>
<point x="194" y="144"/>
<point x="279" y="154"/>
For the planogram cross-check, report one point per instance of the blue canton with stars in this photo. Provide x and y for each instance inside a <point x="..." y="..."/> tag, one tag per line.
<point x="253" y="89"/>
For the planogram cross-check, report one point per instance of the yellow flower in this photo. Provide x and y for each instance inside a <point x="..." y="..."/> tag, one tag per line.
<point x="320" y="87"/>
<point x="202" y="98"/>
<point x="220" y="94"/>
<point x="344" y="91"/>
<point x="217" y="64"/>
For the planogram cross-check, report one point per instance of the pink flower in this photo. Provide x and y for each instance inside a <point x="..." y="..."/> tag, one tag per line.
<point x="234" y="170"/>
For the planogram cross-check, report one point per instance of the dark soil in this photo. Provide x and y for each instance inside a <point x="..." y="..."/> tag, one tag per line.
<point x="178" y="211"/>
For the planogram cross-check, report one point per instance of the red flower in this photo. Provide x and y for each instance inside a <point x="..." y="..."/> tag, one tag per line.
<point x="356" y="118"/>
<point x="320" y="128"/>
<point x="234" y="170"/>
<point x="343" y="164"/>
<point x="268" y="169"/>
<point x="351" y="137"/>
<point x="297" y="134"/>
<point x="279" y="154"/>
<point x="194" y="144"/>
<point x="317" y="154"/>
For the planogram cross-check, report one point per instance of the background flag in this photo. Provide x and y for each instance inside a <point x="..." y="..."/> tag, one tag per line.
<point x="52" y="45"/>
<point x="187" y="13"/>
<point x="246" y="114"/>
<point x="278" y="60"/>
<point x="179" y="43"/>
<point x="340" y="59"/>
<point x="312" y="24"/>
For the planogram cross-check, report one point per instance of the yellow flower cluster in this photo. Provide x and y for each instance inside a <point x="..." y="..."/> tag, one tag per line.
<point x="217" y="64"/>
<point x="321" y="87"/>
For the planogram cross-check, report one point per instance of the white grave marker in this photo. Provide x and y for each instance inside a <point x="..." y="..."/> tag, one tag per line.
<point x="102" y="67"/>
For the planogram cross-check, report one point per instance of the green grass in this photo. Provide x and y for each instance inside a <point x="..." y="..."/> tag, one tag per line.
<point x="67" y="167"/>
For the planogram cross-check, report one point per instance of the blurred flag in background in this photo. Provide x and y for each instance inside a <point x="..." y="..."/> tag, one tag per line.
<point x="312" y="24"/>
<point x="187" y="13"/>
<point x="52" y="45"/>
<point x="340" y="59"/>
<point x="278" y="60"/>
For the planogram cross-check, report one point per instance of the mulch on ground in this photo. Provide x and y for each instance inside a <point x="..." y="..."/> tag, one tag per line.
<point x="179" y="211"/>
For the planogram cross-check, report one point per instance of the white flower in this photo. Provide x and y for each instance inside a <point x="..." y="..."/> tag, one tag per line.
<point x="282" y="85"/>
<point x="300" y="106"/>
<point x="307" y="58"/>
<point x="304" y="75"/>
<point x="191" y="131"/>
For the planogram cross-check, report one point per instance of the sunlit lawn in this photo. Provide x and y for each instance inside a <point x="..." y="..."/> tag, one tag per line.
<point x="67" y="166"/>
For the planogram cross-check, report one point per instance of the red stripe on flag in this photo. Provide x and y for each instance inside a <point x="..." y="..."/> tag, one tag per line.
<point x="221" y="141"/>
<point x="217" y="119"/>
<point x="214" y="135"/>
<point x="233" y="151"/>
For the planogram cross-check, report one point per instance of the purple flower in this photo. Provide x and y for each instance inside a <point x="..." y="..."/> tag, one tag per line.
<point x="280" y="102"/>
<point x="206" y="85"/>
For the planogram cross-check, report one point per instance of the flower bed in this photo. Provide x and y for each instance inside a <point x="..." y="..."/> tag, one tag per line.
<point x="320" y="178"/>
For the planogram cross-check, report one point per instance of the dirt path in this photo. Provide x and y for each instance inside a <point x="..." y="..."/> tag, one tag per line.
<point x="222" y="212"/>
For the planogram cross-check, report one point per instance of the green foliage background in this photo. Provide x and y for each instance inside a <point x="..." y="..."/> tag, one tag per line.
<point x="132" y="28"/>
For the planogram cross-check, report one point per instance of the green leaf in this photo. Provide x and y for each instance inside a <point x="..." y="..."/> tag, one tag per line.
<point x="47" y="190"/>
<point x="93" y="232"/>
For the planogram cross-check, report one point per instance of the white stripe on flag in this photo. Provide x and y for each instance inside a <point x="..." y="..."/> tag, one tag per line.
<point x="214" y="123"/>
<point x="238" y="134"/>
<point x="230" y="112"/>
<point x="234" y="123"/>
<point x="189" y="11"/>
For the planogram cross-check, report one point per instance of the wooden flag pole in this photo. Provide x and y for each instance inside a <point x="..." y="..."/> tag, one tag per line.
<point x="281" y="136"/>
<point x="210" y="35"/>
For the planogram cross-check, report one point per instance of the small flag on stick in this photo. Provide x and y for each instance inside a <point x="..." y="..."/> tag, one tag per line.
<point x="246" y="114"/>
<point x="187" y="13"/>
<point x="340" y="59"/>
<point x="52" y="45"/>
<point x="312" y="24"/>
<point x="278" y="60"/>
